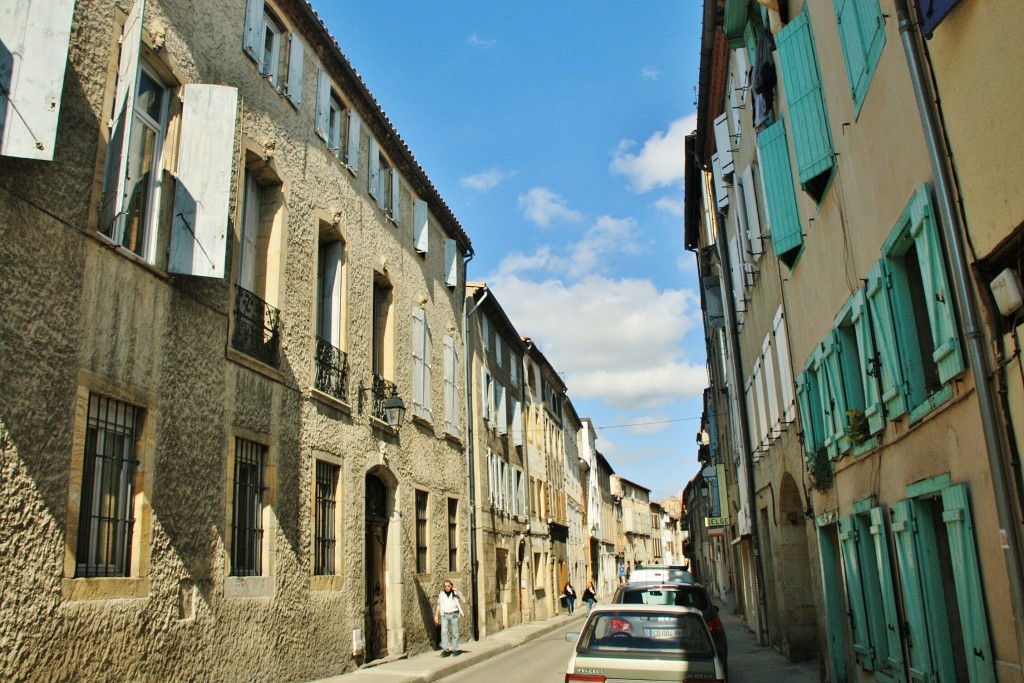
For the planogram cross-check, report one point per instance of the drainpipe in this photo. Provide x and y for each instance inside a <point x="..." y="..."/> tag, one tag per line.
<point x="951" y="229"/>
<point x="748" y="463"/>
<point x="474" y="564"/>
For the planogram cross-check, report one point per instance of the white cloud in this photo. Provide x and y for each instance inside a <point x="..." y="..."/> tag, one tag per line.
<point x="485" y="180"/>
<point x="477" y="41"/>
<point x="660" y="162"/>
<point x="649" y="74"/>
<point x="542" y="206"/>
<point x="607" y="236"/>
<point x="674" y="206"/>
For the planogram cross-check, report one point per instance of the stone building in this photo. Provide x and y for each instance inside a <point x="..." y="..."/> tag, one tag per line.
<point x="600" y="512"/>
<point x="573" y="467"/>
<point x="634" y="503"/>
<point x="221" y="269"/>
<point x="858" y="240"/>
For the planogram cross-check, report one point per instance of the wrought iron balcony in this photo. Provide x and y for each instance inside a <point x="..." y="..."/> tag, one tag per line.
<point x="381" y="391"/>
<point x="257" y="328"/>
<point x="331" y="370"/>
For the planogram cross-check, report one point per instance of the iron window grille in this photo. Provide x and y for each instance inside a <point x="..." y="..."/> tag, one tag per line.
<point x="247" y="510"/>
<point x="325" y="536"/>
<point x="106" y="518"/>
<point x="421" y="532"/>
<point x="331" y="369"/>
<point x="257" y="328"/>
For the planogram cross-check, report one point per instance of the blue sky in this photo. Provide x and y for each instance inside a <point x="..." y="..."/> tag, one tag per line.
<point x="554" y="131"/>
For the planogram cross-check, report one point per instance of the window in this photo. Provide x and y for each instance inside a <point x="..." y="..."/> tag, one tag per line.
<point x="325" y="534"/>
<point x="780" y="197"/>
<point x="808" y="394"/>
<point x="247" y="509"/>
<point x="421" y="532"/>
<point x="382" y="327"/>
<point x="453" y="534"/>
<point x="278" y="54"/>
<point x="486" y="395"/>
<point x="330" y="115"/>
<point x="354" y="141"/>
<point x="451" y="263"/>
<point x="812" y="140"/>
<point x="485" y="331"/>
<point x="451" y="387"/>
<point x="107" y="503"/>
<point x="517" y="423"/>
<point x="862" y="35"/>
<point x="785" y="367"/>
<point x="498" y="352"/>
<point x="421" y="226"/>
<point x="331" y="375"/>
<point x="421" y="382"/>
<point x="501" y="407"/>
<point x="383" y="182"/>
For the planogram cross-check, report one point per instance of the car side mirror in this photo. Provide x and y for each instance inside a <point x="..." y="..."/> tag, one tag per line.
<point x="572" y="636"/>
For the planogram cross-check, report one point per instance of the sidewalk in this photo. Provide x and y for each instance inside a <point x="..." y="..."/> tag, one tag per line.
<point x="753" y="663"/>
<point x="431" y="666"/>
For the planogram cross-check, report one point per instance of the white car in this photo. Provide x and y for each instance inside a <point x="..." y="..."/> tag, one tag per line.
<point x="644" y="643"/>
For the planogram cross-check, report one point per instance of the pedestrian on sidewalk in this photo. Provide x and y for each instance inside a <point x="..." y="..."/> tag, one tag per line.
<point x="446" y="615"/>
<point x="589" y="596"/>
<point x="569" y="593"/>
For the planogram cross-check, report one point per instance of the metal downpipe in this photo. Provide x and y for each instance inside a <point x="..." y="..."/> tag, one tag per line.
<point x="474" y="567"/>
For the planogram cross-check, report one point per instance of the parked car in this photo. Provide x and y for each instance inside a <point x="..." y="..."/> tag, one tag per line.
<point x="681" y="594"/>
<point x="660" y="573"/>
<point x="644" y="643"/>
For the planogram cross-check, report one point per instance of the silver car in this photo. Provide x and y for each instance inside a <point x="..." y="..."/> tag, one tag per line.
<point x="643" y="643"/>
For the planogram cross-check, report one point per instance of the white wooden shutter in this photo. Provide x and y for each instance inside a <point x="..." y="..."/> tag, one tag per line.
<point x="373" y="163"/>
<point x="501" y="407"/>
<point x="253" y="28"/>
<point x="771" y="395"/>
<point x="418" y="336"/>
<point x="723" y="143"/>
<point x="427" y="369"/>
<point x="420" y="223"/>
<point x="34" y="37"/>
<point x="451" y="403"/>
<point x="785" y="369"/>
<point x="762" y="412"/>
<point x="721" y="189"/>
<point x="293" y="88"/>
<point x="517" y="423"/>
<point x="322" y="117"/>
<point x="451" y="263"/>
<point x="396" y="194"/>
<point x="737" y="275"/>
<point x="250" y="233"/>
<point x="753" y="220"/>
<point x="331" y="315"/>
<point x="203" y="180"/>
<point x="354" y="131"/>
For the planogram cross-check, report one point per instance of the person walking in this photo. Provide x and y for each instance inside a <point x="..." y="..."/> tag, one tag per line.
<point x="589" y="596"/>
<point x="446" y="615"/>
<point x="570" y="596"/>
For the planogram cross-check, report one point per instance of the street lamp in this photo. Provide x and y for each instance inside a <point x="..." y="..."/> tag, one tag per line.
<point x="394" y="412"/>
<point x="393" y="407"/>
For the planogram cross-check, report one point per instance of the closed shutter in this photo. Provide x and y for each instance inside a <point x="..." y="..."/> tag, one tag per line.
<point x="907" y="562"/>
<point x="34" y="37"/>
<point x="451" y="402"/>
<point x="799" y="64"/>
<point x="202" y="191"/>
<point x="418" y="371"/>
<point x="785" y="367"/>
<point x="750" y="204"/>
<point x="396" y="194"/>
<point x="848" y="542"/>
<point x="373" y="174"/>
<point x="867" y="360"/>
<point x="780" y="197"/>
<point x="938" y="298"/>
<point x="803" y="397"/>
<point x="723" y="143"/>
<point x="322" y="117"/>
<point x="420" y="226"/>
<point x="890" y="371"/>
<point x="967" y="579"/>
<point x="893" y="628"/>
<point x="835" y="400"/>
<point x="296" y="51"/>
<point x="354" y="133"/>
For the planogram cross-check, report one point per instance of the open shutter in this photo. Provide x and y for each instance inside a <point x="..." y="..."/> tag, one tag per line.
<point x="938" y="297"/>
<point x="323" y="106"/>
<point x="894" y="659"/>
<point x="737" y="275"/>
<point x="253" y="28"/>
<point x="120" y="127"/>
<point x="723" y="143"/>
<point x="735" y="21"/>
<point x="848" y="541"/>
<point x="330" y="316"/>
<point x="451" y="263"/>
<point x="202" y="191"/>
<point x="517" y="423"/>
<point x="785" y="368"/>
<point x="420" y="225"/>
<point x="890" y="373"/>
<point x="867" y="360"/>
<point x="907" y="562"/>
<point x="798" y="59"/>
<point x="501" y="407"/>
<point x="721" y="188"/>
<point x="850" y="37"/>
<point x="485" y="401"/>
<point x="762" y="407"/>
<point x="451" y="403"/>
<point x="835" y="401"/>
<point x="34" y="37"/>
<point x="750" y="204"/>
<point x="354" y="131"/>
<point x="418" y="335"/>
<point x="428" y="382"/>
<point x="967" y="578"/>
<point x="396" y="194"/>
<point x="780" y="197"/>
<point x="373" y="164"/>
<point x="803" y="397"/>
<point x="296" y="51"/>
<point x="771" y="395"/>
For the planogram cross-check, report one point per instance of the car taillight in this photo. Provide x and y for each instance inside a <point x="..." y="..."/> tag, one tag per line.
<point x="584" y="678"/>
<point x="620" y="625"/>
<point x="715" y="625"/>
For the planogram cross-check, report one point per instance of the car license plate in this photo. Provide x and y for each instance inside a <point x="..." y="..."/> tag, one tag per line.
<point x="663" y="633"/>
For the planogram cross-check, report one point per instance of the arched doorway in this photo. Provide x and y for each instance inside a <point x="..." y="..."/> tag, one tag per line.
<point x="378" y="513"/>
<point x="801" y="624"/>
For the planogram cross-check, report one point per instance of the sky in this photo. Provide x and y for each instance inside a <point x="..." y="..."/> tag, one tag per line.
<point x="554" y="131"/>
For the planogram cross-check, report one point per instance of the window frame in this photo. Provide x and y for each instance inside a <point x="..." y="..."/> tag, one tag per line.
<point x="453" y="534"/>
<point x="327" y="505"/>
<point x="422" y="521"/>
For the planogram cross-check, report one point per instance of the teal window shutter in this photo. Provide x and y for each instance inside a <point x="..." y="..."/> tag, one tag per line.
<point x="903" y="524"/>
<point x="848" y="541"/>
<point x="352" y="153"/>
<point x="293" y="88"/>
<point x="862" y="35"/>
<point x="822" y="403"/>
<point x="253" y="28"/>
<point x="812" y="140"/>
<point x="868" y="361"/>
<point x="890" y="373"/>
<point x="735" y="21"/>
<point x="321" y="119"/>
<point x="834" y="402"/>
<point x="803" y="398"/>
<point x="892" y="627"/>
<point x="780" y="197"/>
<point x="967" y="578"/>
<point x="938" y="297"/>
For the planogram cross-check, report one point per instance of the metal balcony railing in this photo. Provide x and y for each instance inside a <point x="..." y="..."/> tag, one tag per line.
<point x="257" y="328"/>
<point x="331" y="370"/>
<point x="380" y="391"/>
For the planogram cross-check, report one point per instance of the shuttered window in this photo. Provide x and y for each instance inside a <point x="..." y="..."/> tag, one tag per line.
<point x="735" y="21"/>
<point x="893" y="656"/>
<point x="421" y="364"/>
<point x="862" y="35"/>
<point x="451" y="262"/>
<point x="890" y="372"/>
<point x="780" y="196"/>
<point x="420" y="224"/>
<point x="850" y="550"/>
<point x="812" y="140"/>
<point x="867" y="362"/>
<point x="451" y="384"/>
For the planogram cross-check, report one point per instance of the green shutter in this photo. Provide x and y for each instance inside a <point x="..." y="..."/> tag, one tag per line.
<point x="862" y="34"/>
<point x="750" y="40"/>
<point x="787" y="235"/>
<point x="803" y="398"/>
<point x="967" y="579"/>
<point x="867" y="358"/>
<point x="827" y="555"/>
<point x="938" y="297"/>
<point x="893" y="660"/>
<point x="734" y="23"/>
<point x="848" y="540"/>
<point x="811" y="138"/>
<point x="913" y="594"/>
<point x="890" y="371"/>
<point x="835" y="400"/>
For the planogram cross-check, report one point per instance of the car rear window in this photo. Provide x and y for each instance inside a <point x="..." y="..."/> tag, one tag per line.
<point x="680" y="596"/>
<point x="639" y="632"/>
